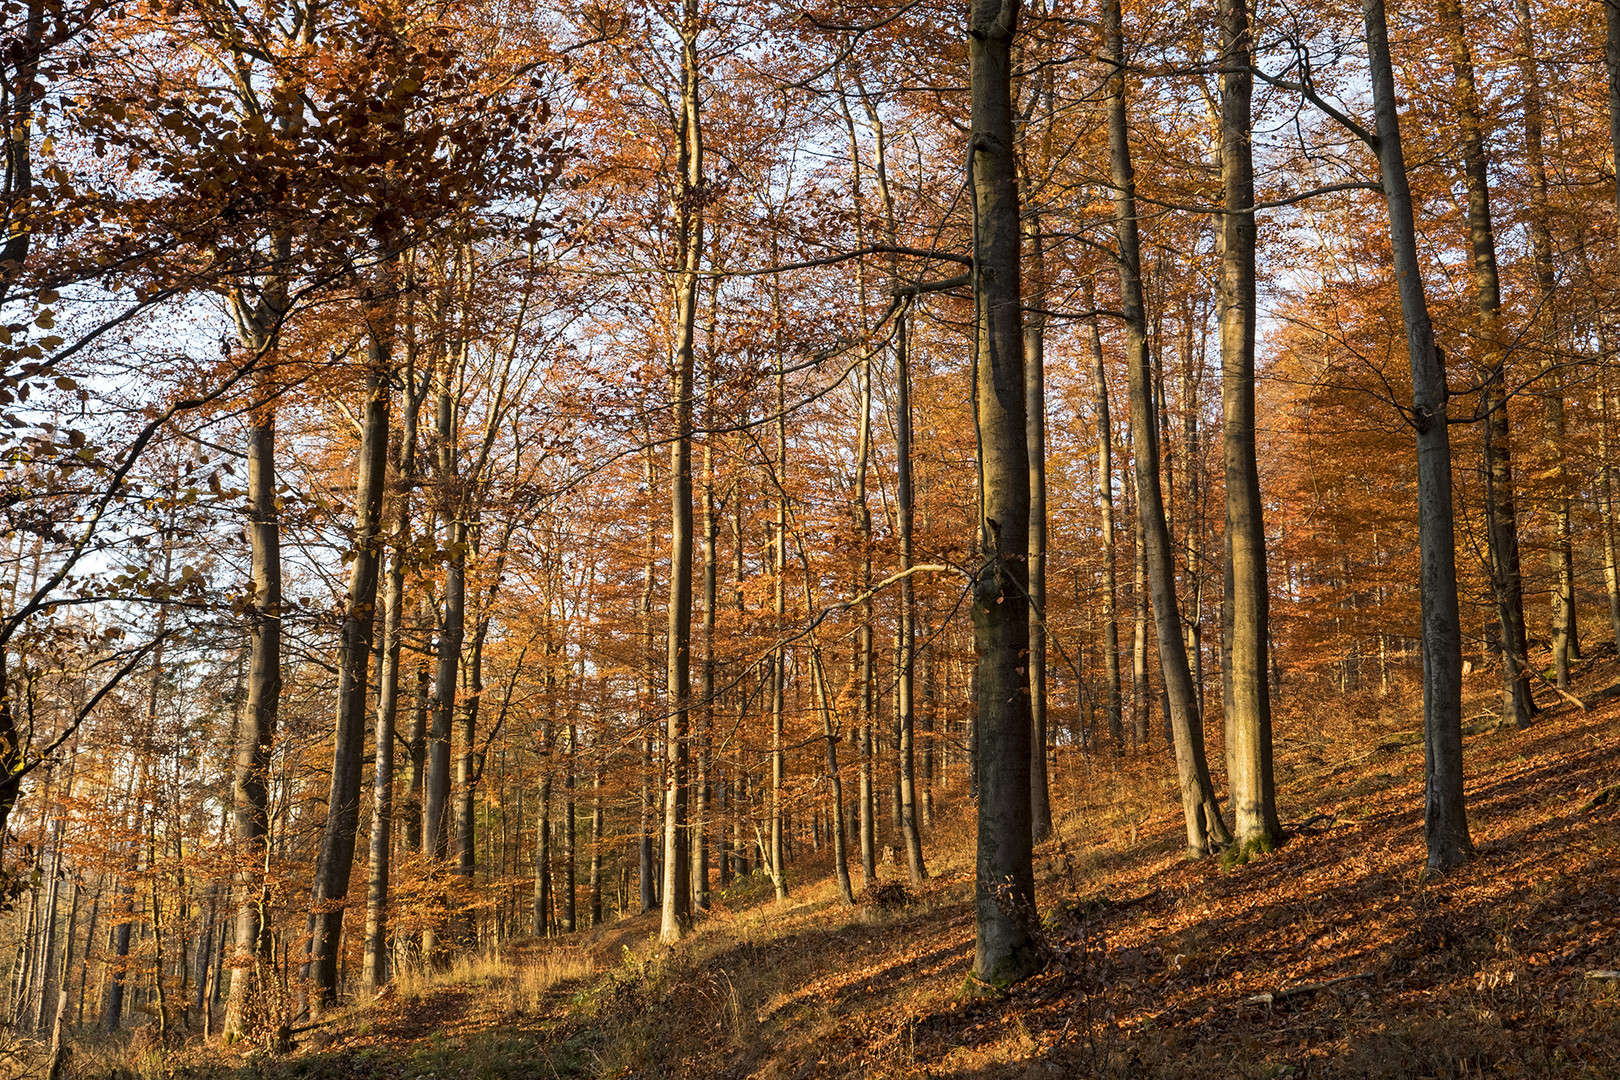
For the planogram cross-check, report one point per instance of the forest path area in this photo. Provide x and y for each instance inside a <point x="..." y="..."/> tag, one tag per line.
<point x="1334" y="956"/>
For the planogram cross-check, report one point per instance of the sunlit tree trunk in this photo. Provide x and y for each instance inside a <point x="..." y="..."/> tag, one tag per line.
<point x="1246" y="686"/>
<point x="568" y="917"/>
<point x="596" y="845"/>
<point x="778" y="853"/>
<point x="1445" y="814"/>
<point x="677" y="915"/>
<point x="910" y="833"/>
<point x="1205" y="829"/>
<point x="644" y="839"/>
<point x="1105" y="500"/>
<point x="1141" y="690"/>
<point x="861" y="663"/>
<point x="702" y="810"/>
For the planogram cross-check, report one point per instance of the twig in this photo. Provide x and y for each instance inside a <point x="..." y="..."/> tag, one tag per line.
<point x="1271" y="998"/>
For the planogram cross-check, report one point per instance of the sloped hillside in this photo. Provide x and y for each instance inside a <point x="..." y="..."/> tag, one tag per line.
<point x="1332" y="957"/>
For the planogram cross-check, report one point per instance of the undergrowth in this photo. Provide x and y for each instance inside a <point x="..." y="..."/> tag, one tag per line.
<point x="1330" y="957"/>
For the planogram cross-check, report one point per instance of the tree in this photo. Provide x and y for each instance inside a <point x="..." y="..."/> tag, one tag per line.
<point x="1205" y="829"/>
<point x="1246" y="613"/>
<point x="1445" y="815"/>
<point x="1003" y="951"/>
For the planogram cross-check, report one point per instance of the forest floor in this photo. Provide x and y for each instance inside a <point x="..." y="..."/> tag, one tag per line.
<point x="1334" y="956"/>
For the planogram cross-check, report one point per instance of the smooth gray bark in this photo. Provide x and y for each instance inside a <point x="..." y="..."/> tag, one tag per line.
<point x="1105" y="499"/>
<point x="335" y="862"/>
<point x="1205" y="829"/>
<point x="1445" y="813"/>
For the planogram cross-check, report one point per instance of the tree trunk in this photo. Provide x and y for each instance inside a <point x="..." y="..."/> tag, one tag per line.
<point x="863" y="660"/>
<point x="1005" y="887"/>
<point x="1040" y="805"/>
<point x="452" y="623"/>
<point x="1141" y="691"/>
<point x="1500" y="513"/>
<point x="538" y="921"/>
<point x="374" y="967"/>
<point x="336" y="859"/>
<point x="568" y="918"/>
<point x="1199" y="806"/>
<point x="1246" y="687"/>
<point x="1565" y="636"/>
<point x="702" y="832"/>
<point x="53" y="1067"/>
<point x="411" y="816"/>
<point x="596" y="845"/>
<point x="1105" y="499"/>
<point x="256" y="729"/>
<point x="677" y="913"/>
<point x="1445" y="815"/>
<point x="906" y="629"/>
<point x="467" y="767"/>
<point x="778" y="853"/>
<point x="644" y="841"/>
<point x="1611" y="574"/>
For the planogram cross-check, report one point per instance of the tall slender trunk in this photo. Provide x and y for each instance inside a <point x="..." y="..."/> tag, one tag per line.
<point x="906" y="630"/>
<point x="1611" y="564"/>
<point x="117" y="963"/>
<point x="436" y="823"/>
<point x="1040" y="805"/>
<point x="374" y="966"/>
<point x="335" y="861"/>
<point x="644" y="840"/>
<point x="539" y="921"/>
<point x="1445" y="814"/>
<point x="595" y="886"/>
<point x="1192" y="475"/>
<point x="413" y="812"/>
<point x="1003" y="950"/>
<point x="256" y="728"/>
<point x="1199" y="806"/>
<point x="467" y="764"/>
<point x="1560" y="555"/>
<point x="452" y="619"/>
<point x="1500" y="513"/>
<point x="677" y="911"/>
<point x="1141" y="691"/>
<point x="1105" y="499"/>
<point x="863" y="659"/>
<point x="569" y="916"/>
<point x="53" y="1067"/>
<point x="778" y="853"/>
<point x="702" y="790"/>
<point x="861" y="662"/>
<point x="1245" y="683"/>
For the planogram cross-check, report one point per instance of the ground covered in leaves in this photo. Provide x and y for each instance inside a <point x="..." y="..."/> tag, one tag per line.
<point x="1332" y="957"/>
